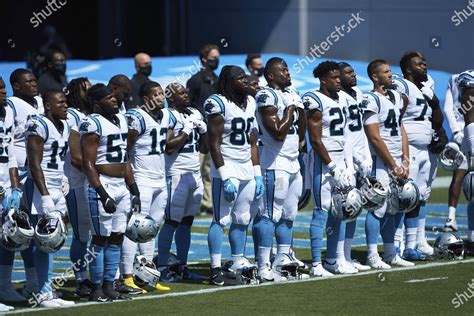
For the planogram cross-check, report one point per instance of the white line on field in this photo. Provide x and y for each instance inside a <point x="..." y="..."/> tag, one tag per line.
<point x="231" y="288"/>
<point x="425" y="280"/>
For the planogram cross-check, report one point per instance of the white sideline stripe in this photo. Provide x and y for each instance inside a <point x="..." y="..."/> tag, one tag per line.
<point x="231" y="288"/>
<point x="83" y="70"/>
<point x="425" y="280"/>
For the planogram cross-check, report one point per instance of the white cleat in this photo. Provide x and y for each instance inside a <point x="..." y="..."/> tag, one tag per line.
<point x="62" y="302"/>
<point x="374" y="261"/>
<point x="5" y="308"/>
<point x="301" y="264"/>
<point x="396" y="260"/>
<point x="450" y="225"/>
<point x="9" y="294"/>
<point x="319" y="271"/>
<point x="266" y="274"/>
<point x="425" y="249"/>
<point x="49" y="303"/>
<point x="339" y="268"/>
<point x="359" y="266"/>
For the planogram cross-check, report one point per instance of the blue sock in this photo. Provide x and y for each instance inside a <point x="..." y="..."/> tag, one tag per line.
<point x="214" y="238"/>
<point x="6" y="257"/>
<point x="237" y="238"/>
<point x="111" y="261"/>
<point x="316" y="232"/>
<point x="350" y="229"/>
<point x="470" y="216"/>
<point x="422" y="212"/>
<point x="183" y="242"/>
<point x="388" y="228"/>
<point x="96" y="266"/>
<point x="44" y="269"/>
<point x="332" y="233"/>
<point x="372" y="228"/>
<point x="256" y="222"/>
<point x="165" y="239"/>
<point x="411" y="222"/>
<point x="265" y="230"/>
<point x="77" y="253"/>
<point x="284" y="232"/>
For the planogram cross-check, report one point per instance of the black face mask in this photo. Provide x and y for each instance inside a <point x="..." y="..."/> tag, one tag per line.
<point x="213" y="64"/>
<point x="146" y="70"/>
<point x="258" y="71"/>
<point x="59" y="69"/>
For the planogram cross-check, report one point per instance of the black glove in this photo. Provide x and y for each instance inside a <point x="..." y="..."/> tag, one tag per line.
<point x="438" y="142"/>
<point x="136" y="204"/>
<point x="107" y="202"/>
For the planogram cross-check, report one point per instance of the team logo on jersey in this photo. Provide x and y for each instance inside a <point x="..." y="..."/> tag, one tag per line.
<point x="129" y="120"/>
<point x="208" y="106"/>
<point x="84" y="126"/>
<point x="306" y="103"/>
<point x="33" y="127"/>
<point x="262" y="98"/>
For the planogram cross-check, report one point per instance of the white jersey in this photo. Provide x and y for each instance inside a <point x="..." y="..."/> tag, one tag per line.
<point x="417" y="117"/>
<point x="334" y="118"/>
<point x="7" y="153"/>
<point x="55" y="147"/>
<point x="275" y="154"/>
<point x="112" y="147"/>
<point x="238" y="125"/>
<point x="22" y="111"/>
<point x="147" y="154"/>
<point x="75" y="176"/>
<point x="185" y="159"/>
<point x="387" y="108"/>
<point x="452" y="106"/>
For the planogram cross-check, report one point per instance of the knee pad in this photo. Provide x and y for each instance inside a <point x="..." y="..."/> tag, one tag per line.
<point x="99" y="240"/>
<point x="187" y="220"/>
<point x="171" y="222"/>
<point x="116" y="239"/>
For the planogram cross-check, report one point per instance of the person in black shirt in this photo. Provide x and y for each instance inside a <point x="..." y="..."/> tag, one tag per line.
<point x="55" y="76"/>
<point x="144" y="69"/>
<point x="200" y="87"/>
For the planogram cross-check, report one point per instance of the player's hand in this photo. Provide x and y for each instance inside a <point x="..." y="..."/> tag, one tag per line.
<point x="364" y="168"/>
<point x="188" y="126"/>
<point x="400" y="172"/>
<point x="230" y="191"/>
<point x="427" y="92"/>
<point x="136" y="204"/>
<point x="65" y="185"/>
<point x="109" y="204"/>
<point x="259" y="187"/>
<point x="48" y="204"/>
<point x="15" y="198"/>
<point x="339" y="175"/>
<point x="200" y="125"/>
<point x="458" y="137"/>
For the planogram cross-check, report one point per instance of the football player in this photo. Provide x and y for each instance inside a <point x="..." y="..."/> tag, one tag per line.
<point x="282" y="125"/>
<point x="104" y="161"/>
<point x="46" y="143"/>
<point x="121" y="88"/>
<point x="78" y="109"/>
<point x="9" y="182"/>
<point x="25" y="103"/>
<point x="422" y="116"/>
<point x="185" y="139"/>
<point x="325" y="113"/>
<point x="235" y="168"/>
<point x="147" y="127"/>
<point x="359" y="160"/>
<point x="389" y="148"/>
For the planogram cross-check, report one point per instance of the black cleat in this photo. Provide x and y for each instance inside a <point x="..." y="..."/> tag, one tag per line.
<point x="125" y="289"/>
<point x="469" y="248"/>
<point x="83" y="289"/>
<point x="108" y="288"/>
<point x="216" y="277"/>
<point x="97" y="295"/>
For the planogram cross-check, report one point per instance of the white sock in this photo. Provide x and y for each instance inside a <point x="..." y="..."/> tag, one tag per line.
<point x="5" y="276"/>
<point x="452" y="212"/>
<point x="315" y="263"/>
<point x="388" y="249"/>
<point x="372" y="249"/>
<point x="216" y="260"/>
<point x="347" y="249"/>
<point x="283" y="249"/>
<point x="237" y="255"/>
<point x="411" y="238"/>
<point x="263" y="256"/>
<point x="470" y="235"/>
<point x="420" y="233"/>
<point x="340" y="251"/>
<point x="399" y="237"/>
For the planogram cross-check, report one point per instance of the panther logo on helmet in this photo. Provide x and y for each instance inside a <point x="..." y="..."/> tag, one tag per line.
<point x="16" y="232"/>
<point x="145" y="273"/>
<point x="449" y="246"/>
<point x="286" y="266"/>
<point x="141" y="228"/>
<point x="374" y="193"/>
<point x="239" y="271"/>
<point x="404" y="196"/>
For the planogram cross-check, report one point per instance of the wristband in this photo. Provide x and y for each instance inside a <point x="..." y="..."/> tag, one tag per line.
<point x="257" y="171"/>
<point x="331" y="166"/>
<point x="223" y="173"/>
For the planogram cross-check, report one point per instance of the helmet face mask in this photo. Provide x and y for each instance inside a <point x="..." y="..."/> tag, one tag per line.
<point x="145" y="272"/>
<point x="451" y="157"/>
<point x="449" y="246"/>
<point x="239" y="271"/>
<point x="50" y="232"/>
<point x="16" y="232"/>
<point x="374" y="193"/>
<point x="286" y="266"/>
<point x="404" y="196"/>
<point x="141" y="228"/>
<point x="347" y="203"/>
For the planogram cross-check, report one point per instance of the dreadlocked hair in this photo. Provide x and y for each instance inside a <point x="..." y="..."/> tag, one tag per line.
<point x="74" y="97"/>
<point x="226" y="88"/>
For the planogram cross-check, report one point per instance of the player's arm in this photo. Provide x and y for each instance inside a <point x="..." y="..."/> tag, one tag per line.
<point x="254" y="149"/>
<point x="315" y="130"/>
<point x="449" y="110"/>
<point x="405" y="152"/>
<point x="89" y="144"/>
<point x="301" y="126"/>
<point x="215" y="132"/>
<point x="35" y="147"/>
<point x="75" y="148"/>
<point x="13" y="166"/>
<point x="204" y="143"/>
<point x="176" y="142"/>
<point x="276" y="127"/>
